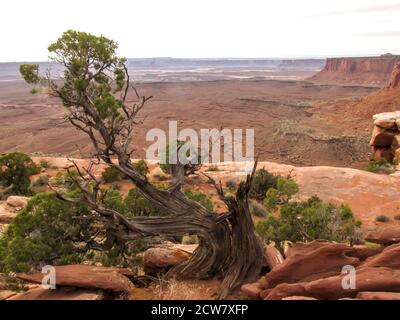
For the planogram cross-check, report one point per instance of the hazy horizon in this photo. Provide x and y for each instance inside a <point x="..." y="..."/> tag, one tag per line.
<point x="234" y="58"/>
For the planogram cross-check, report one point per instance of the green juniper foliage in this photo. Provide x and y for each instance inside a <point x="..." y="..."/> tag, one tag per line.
<point x="309" y="220"/>
<point x="263" y="180"/>
<point x="15" y="171"/>
<point x="47" y="231"/>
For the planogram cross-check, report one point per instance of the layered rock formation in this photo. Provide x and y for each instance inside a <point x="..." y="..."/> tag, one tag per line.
<point x="366" y="70"/>
<point x="385" y="138"/>
<point x="315" y="270"/>
<point x="395" y="78"/>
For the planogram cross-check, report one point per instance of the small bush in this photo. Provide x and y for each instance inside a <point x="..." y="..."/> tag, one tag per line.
<point x="141" y="167"/>
<point x="44" y="164"/>
<point x="201" y="198"/>
<point x="112" y="174"/>
<point x="231" y="184"/>
<point x="310" y="220"/>
<point x="135" y="204"/>
<point x="15" y="171"/>
<point x="41" y="181"/>
<point x="397" y="217"/>
<point x="263" y="180"/>
<point x="42" y="234"/>
<point x="381" y="166"/>
<point x="169" y="152"/>
<point x="257" y="209"/>
<point x="282" y="194"/>
<point x="190" y="239"/>
<point x="212" y="167"/>
<point x="382" y="218"/>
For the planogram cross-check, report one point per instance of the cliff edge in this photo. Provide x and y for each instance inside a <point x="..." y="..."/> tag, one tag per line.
<point x="366" y="70"/>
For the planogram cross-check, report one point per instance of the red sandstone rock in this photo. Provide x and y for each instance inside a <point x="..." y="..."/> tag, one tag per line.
<point x="299" y="298"/>
<point x="367" y="279"/>
<point x="382" y="153"/>
<point x="388" y="235"/>
<point x="308" y="262"/>
<point x="382" y="137"/>
<point x="272" y="256"/>
<point x="357" y="70"/>
<point x="364" y="252"/>
<point x="4" y="295"/>
<point x="390" y="258"/>
<point x="252" y="290"/>
<point x="395" y="77"/>
<point x="58" y="294"/>
<point x="378" y="296"/>
<point x="84" y="276"/>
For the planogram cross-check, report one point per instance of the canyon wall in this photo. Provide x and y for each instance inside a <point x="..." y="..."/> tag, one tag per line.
<point x="367" y="70"/>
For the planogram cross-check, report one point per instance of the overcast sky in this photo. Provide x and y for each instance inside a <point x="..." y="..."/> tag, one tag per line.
<point x="205" y="28"/>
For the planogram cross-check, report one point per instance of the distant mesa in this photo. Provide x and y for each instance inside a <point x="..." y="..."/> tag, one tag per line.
<point x="361" y="70"/>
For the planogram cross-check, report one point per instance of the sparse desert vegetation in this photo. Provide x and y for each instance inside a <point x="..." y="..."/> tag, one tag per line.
<point x="136" y="178"/>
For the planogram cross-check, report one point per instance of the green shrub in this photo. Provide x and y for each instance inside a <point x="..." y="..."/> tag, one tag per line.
<point x="212" y="167"/>
<point x="231" y="184"/>
<point x="44" y="164"/>
<point x="190" y="239"/>
<point x="15" y="171"/>
<point x="51" y="231"/>
<point x="309" y="220"/>
<point x="381" y="166"/>
<point x="382" y="218"/>
<point x="41" y="181"/>
<point x="135" y="204"/>
<point x="164" y="164"/>
<point x="263" y="180"/>
<point x="112" y="174"/>
<point x="282" y="194"/>
<point x="45" y="232"/>
<point x="141" y="167"/>
<point x="257" y="209"/>
<point x="200" y="197"/>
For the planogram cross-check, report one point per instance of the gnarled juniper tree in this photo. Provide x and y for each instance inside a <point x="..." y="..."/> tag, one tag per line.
<point x="94" y="89"/>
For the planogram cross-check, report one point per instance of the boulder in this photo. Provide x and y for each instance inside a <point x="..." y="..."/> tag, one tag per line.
<point x="6" y="294"/>
<point x="308" y="262"/>
<point x="385" y="123"/>
<point x="396" y="140"/>
<point x="387" y="115"/>
<point x="252" y="290"/>
<point x="382" y="137"/>
<point x="166" y="256"/>
<point x="10" y="208"/>
<point x="385" y="236"/>
<point x="17" y="202"/>
<point x="7" y="213"/>
<point x="367" y="279"/>
<point x="378" y="296"/>
<point x="272" y="256"/>
<point x="85" y="276"/>
<point x="364" y="252"/>
<point x="390" y="258"/>
<point x="59" y="294"/>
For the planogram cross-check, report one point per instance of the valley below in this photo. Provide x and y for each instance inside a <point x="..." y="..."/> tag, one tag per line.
<point x="295" y="121"/>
